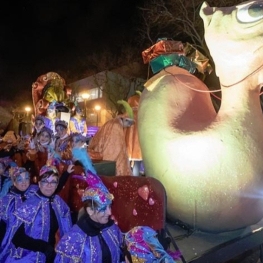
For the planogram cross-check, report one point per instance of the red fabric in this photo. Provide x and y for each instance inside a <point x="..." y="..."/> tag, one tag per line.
<point x="138" y="201"/>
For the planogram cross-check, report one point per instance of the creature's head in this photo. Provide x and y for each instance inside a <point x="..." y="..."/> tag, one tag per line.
<point x="234" y="36"/>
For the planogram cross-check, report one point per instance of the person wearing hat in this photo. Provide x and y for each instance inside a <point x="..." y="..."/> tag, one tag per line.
<point x="38" y="124"/>
<point x="20" y="191"/>
<point x="109" y="141"/>
<point x="77" y="123"/>
<point x="63" y="141"/>
<point x="51" y="116"/>
<point x="5" y="179"/>
<point x="95" y="237"/>
<point x="38" y="221"/>
<point x="38" y="151"/>
<point x="8" y="144"/>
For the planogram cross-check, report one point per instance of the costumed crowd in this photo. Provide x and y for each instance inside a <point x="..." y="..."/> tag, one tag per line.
<point x="37" y="223"/>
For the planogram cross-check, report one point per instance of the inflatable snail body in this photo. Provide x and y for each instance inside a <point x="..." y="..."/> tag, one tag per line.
<point x="210" y="163"/>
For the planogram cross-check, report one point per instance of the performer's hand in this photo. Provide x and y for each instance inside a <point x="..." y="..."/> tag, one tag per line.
<point x="32" y="144"/>
<point x="52" y="143"/>
<point x="70" y="168"/>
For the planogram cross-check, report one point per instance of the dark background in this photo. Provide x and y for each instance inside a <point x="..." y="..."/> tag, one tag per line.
<point x="42" y="36"/>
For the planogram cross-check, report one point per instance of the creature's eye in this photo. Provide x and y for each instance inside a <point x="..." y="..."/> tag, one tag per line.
<point x="250" y="12"/>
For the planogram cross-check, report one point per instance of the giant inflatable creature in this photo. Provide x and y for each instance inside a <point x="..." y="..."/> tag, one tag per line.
<point x="211" y="164"/>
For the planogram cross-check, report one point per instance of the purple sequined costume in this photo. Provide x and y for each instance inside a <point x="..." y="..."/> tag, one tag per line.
<point x="8" y="204"/>
<point x="77" y="247"/>
<point x="35" y="215"/>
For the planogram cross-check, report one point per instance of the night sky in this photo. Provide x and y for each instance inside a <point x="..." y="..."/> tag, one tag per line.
<point x="49" y="35"/>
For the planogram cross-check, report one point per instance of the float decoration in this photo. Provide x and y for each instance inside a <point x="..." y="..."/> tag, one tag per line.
<point x="166" y="53"/>
<point x="210" y="163"/>
<point x="48" y="88"/>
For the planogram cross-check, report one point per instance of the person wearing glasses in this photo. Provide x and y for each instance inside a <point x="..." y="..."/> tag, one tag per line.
<point x="38" y="220"/>
<point x="20" y="191"/>
<point x="95" y="237"/>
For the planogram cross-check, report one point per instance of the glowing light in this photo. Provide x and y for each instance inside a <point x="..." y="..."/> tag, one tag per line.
<point x="97" y="107"/>
<point x="85" y="96"/>
<point x="27" y="109"/>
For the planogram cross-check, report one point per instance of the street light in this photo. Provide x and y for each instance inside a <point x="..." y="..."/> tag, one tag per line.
<point x="97" y="109"/>
<point x="27" y="109"/>
<point x="85" y="96"/>
<point x="27" y="122"/>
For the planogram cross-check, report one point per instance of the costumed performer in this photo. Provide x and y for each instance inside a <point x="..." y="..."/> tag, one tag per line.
<point x="109" y="142"/>
<point x="38" y="220"/>
<point x="95" y="237"/>
<point x="38" y="151"/>
<point x="38" y="124"/>
<point x="19" y="192"/>
<point x="8" y="145"/>
<point x="63" y="142"/>
<point x="51" y="117"/>
<point x="77" y="123"/>
<point x="81" y="160"/>
<point x="5" y="179"/>
<point x="143" y="245"/>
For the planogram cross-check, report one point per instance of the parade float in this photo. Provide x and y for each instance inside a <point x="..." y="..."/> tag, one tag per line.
<point x="209" y="162"/>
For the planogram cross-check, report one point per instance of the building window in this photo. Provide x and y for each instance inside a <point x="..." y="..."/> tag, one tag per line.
<point x="95" y="93"/>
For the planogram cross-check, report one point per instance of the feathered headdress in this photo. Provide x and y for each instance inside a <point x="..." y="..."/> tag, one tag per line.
<point x="16" y="171"/>
<point x="48" y="169"/>
<point x="81" y="155"/>
<point x="96" y="190"/>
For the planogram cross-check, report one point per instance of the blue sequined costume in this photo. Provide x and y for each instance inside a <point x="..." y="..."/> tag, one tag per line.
<point x="35" y="215"/>
<point x="8" y="204"/>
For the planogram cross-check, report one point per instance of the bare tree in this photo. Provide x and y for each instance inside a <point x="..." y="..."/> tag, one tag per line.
<point x="116" y="74"/>
<point x="176" y="19"/>
<point x="115" y="87"/>
<point x="179" y="20"/>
